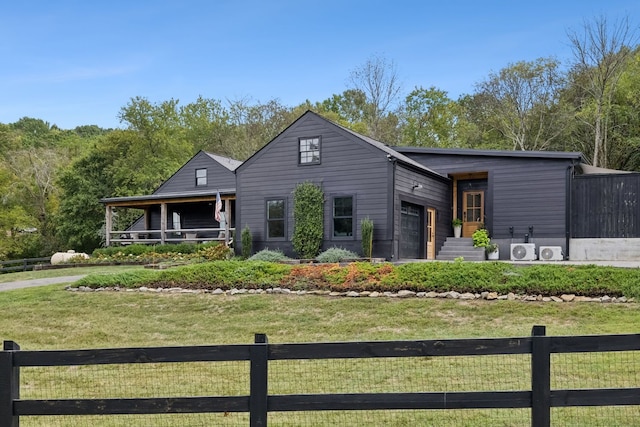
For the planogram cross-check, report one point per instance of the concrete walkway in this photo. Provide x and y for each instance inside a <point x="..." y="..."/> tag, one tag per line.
<point x="39" y="282"/>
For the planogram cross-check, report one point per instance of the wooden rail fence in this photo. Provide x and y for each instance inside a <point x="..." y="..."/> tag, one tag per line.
<point x="25" y="264"/>
<point x="540" y="397"/>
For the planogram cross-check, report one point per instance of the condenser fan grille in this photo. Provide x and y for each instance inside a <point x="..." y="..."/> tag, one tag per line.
<point x="519" y="252"/>
<point x="546" y="253"/>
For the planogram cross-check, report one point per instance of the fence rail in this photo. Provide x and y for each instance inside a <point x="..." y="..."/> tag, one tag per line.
<point x="540" y="398"/>
<point x="25" y="264"/>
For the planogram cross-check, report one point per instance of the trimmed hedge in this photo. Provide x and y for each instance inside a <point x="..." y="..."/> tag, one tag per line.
<point x="432" y="276"/>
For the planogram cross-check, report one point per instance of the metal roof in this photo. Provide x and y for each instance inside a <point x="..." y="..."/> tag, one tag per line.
<point x="227" y="162"/>
<point x="573" y="155"/>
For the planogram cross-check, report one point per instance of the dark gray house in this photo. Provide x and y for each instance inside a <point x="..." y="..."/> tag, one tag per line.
<point x="549" y="203"/>
<point x="408" y="203"/>
<point x="183" y="206"/>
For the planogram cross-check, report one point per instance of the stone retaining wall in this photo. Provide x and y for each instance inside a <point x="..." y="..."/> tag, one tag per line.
<point x="488" y="296"/>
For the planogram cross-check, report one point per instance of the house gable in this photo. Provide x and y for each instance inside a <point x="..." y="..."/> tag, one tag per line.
<point x="349" y="167"/>
<point x="216" y="174"/>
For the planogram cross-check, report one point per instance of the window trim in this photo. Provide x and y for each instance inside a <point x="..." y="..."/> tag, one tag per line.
<point x="205" y="177"/>
<point x="300" y="152"/>
<point x="267" y="219"/>
<point x="353" y="217"/>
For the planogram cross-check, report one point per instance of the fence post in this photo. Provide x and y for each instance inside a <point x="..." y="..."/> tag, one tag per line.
<point x="10" y="385"/>
<point x="259" y="372"/>
<point x="540" y="378"/>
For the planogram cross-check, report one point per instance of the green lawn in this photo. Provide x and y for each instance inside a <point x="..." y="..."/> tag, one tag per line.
<point x="53" y="318"/>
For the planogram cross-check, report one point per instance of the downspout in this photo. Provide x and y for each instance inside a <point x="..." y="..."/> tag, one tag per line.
<point x="393" y="161"/>
<point x="569" y="203"/>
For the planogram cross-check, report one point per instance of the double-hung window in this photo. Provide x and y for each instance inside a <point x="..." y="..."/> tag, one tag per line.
<point x="309" y="151"/>
<point x="343" y="217"/>
<point x="276" y="219"/>
<point x="201" y="177"/>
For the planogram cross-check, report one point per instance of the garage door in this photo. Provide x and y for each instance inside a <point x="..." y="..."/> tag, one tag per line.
<point x="410" y="231"/>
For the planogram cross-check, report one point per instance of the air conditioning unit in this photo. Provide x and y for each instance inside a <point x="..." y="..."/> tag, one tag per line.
<point x="550" y="253"/>
<point x="523" y="251"/>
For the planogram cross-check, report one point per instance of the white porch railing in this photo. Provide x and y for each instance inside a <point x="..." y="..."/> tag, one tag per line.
<point x="192" y="235"/>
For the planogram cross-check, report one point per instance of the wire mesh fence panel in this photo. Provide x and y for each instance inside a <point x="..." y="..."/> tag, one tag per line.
<point x="598" y="370"/>
<point x="598" y="416"/>
<point x="138" y="380"/>
<point x="163" y="420"/>
<point x="405" y="418"/>
<point x="612" y="369"/>
<point x="402" y="375"/>
<point x="135" y="380"/>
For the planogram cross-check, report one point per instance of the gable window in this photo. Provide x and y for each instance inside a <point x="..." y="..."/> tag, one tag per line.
<point x="343" y="217"/>
<point x="201" y="177"/>
<point x="309" y="151"/>
<point x="275" y="219"/>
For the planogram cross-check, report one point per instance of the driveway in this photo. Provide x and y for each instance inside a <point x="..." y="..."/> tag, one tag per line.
<point x="39" y="282"/>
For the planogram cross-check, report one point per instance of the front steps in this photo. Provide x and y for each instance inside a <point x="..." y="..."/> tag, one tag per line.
<point x="460" y="247"/>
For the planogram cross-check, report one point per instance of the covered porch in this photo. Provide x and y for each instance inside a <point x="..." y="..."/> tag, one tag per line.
<point x="171" y="218"/>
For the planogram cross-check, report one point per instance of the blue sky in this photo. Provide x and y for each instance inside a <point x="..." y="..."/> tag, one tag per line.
<point x="77" y="63"/>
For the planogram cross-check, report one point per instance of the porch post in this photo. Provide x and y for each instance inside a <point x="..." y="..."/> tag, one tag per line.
<point x="108" y="222"/>
<point x="163" y="221"/>
<point x="227" y="214"/>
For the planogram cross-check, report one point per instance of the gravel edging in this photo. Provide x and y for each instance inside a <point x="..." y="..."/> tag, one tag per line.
<point x="467" y="296"/>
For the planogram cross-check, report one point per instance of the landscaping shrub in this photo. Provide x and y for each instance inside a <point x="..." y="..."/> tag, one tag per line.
<point x="216" y="252"/>
<point x="366" y="229"/>
<point x="247" y="242"/>
<point x="481" y="238"/>
<point x="224" y="274"/>
<point x="461" y="276"/>
<point x="336" y="255"/>
<point x="308" y="217"/>
<point x="269" y="256"/>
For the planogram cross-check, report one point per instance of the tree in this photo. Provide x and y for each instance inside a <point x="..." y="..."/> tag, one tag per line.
<point x="207" y="126"/>
<point x="432" y="119"/>
<point x="378" y="80"/>
<point x="34" y="170"/>
<point x="523" y="103"/>
<point x="81" y="215"/>
<point x="255" y="125"/>
<point x="601" y="52"/>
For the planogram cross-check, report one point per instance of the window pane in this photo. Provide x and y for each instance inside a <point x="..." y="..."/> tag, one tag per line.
<point x="342" y="227"/>
<point x="275" y="228"/>
<point x="275" y="209"/>
<point x="342" y="206"/>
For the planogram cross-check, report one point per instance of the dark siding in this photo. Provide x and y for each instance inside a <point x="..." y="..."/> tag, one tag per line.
<point x="522" y="192"/>
<point x="606" y="206"/>
<point x="218" y="176"/>
<point x="348" y="167"/>
<point x="433" y="194"/>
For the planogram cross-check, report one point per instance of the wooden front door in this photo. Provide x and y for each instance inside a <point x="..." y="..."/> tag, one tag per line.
<point x="472" y="212"/>
<point x="431" y="233"/>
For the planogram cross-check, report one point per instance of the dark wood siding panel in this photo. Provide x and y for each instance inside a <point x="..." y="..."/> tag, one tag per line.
<point x="218" y="176"/>
<point x="529" y="195"/>
<point x="606" y="206"/>
<point x="523" y="192"/>
<point x="348" y="167"/>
